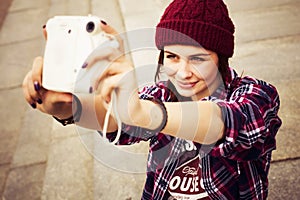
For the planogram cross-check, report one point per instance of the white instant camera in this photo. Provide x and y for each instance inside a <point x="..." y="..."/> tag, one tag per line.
<point x="70" y="40"/>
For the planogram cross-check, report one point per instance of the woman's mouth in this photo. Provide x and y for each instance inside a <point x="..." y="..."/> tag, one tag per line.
<point x="186" y="85"/>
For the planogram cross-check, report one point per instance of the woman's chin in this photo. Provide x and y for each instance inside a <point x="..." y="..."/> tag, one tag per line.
<point x="185" y="93"/>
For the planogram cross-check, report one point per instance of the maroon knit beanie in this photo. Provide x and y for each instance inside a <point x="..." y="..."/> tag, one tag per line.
<point x="203" y="22"/>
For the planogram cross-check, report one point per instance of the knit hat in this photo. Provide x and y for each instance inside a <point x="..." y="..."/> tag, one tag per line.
<point x="203" y="22"/>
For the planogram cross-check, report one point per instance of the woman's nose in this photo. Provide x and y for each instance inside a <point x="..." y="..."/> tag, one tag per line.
<point x="184" y="70"/>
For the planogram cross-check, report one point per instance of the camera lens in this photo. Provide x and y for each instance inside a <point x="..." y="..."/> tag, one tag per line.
<point x="90" y="27"/>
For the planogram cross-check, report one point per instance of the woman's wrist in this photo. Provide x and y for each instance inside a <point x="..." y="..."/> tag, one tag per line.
<point x="75" y="115"/>
<point x="154" y="115"/>
<point x="161" y="121"/>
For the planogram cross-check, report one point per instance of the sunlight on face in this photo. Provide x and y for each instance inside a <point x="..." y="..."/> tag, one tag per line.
<point x="193" y="70"/>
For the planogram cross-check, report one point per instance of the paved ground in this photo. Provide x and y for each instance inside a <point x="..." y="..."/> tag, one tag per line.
<point x="39" y="159"/>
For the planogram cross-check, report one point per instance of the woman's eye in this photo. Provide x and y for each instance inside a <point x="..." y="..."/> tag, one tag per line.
<point x="197" y="59"/>
<point x="171" y="56"/>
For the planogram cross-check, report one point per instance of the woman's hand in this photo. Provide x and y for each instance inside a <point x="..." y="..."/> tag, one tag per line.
<point x="54" y="103"/>
<point x="118" y="77"/>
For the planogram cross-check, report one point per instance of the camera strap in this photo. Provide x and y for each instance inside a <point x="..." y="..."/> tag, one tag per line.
<point x="112" y="106"/>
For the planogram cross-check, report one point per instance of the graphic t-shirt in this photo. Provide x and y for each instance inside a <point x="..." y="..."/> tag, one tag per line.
<point x="187" y="183"/>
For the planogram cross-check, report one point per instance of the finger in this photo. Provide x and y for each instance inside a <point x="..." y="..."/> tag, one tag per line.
<point x="37" y="70"/>
<point x="59" y="97"/>
<point x="35" y="81"/>
<point x="107" y="28"/>
<point x="33" y="92"/>
<point x="101" y="54"/>
<point x="110" y="30"/>
<point x="29" y="100"/>
<point x="113" y="69"/>
<point x="26" y="93"/>
<point x="55" y="102"/>
<point x="45" y="32"/>
<point x="107" y="86"/>
<point x="32" y="95"/>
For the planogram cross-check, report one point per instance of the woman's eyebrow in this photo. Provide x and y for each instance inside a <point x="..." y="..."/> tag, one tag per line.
<point x="198" y="54"/>
<point x="170" y="52"/>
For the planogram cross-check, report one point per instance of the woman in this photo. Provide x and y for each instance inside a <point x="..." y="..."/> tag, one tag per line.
<point x="222" y="150"/>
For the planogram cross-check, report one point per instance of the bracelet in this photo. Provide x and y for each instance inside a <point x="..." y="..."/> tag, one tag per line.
<point x="164" y="111"/>
<point x="74" y="118"/>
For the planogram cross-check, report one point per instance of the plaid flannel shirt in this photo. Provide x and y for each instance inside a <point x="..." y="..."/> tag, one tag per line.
<point x="234" y="168"/>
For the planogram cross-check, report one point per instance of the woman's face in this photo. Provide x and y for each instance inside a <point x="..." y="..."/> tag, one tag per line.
<point x="192" y="70"/>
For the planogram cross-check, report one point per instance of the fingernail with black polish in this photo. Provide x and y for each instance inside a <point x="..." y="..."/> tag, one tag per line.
<point x="37" y="86"/>
<point x="103" y="22"/>
<point x="84" y="65"/>
<point x="39" y="101"/>
<point x="91" y="90"/>
<point x="44" y="26"/>
<point x="33" y="105"/>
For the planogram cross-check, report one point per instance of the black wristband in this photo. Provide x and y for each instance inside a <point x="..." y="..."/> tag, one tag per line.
<point x="164" y="111"/>
<point x="75" y="117"/>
